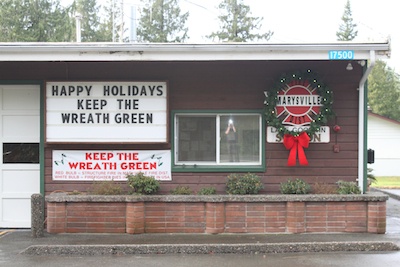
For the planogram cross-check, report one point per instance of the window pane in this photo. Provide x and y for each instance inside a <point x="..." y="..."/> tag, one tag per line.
<point x="240" y="138"/>
<point x="20" y="153"/>
<point x="196" y="138"/>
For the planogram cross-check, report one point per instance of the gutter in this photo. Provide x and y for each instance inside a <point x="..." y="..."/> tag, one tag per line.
<point x="183" y="52"/>
<point x="362" y="125"/>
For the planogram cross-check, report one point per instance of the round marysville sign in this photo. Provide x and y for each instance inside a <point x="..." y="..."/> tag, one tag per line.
<point x="298" y="103"/>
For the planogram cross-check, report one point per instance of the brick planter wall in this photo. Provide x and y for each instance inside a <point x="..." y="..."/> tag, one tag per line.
<point x="217" y="214"/>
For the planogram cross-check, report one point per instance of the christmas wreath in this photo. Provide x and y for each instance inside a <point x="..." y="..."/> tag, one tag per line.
<point x="320" y="119"/>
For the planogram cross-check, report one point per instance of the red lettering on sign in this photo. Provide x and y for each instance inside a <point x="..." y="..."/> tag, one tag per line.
<point x="139" y="165"/>
<point x="128" y="156"/>
<point x="99" y="155"/>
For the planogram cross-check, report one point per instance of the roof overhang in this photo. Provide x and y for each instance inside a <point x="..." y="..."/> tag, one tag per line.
<point x="185" y="52"/>
<point x="380" y="117"/>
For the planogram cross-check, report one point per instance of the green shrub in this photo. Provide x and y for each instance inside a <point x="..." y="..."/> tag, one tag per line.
<point x="371" y="177"/>
<point x="324" y="188"/>
<point x="298" y="186"/>
<point x="348" y="188"/>
<point x="207" y="191"/>
<point x="106" y="188"/>
<point x="141" y="184"/>
<point x="246" y="184"/>
<point x="182" y="190"/>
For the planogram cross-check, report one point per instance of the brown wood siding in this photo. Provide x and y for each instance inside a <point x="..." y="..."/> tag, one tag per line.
<point x="218" y="86"/>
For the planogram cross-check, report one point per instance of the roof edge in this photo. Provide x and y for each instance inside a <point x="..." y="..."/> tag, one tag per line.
<point x="186" y="51"/>
<point x="383" y="117"/>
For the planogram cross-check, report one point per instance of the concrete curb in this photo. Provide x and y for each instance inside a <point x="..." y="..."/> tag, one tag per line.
<point x="394" y="196"/>
<point x="97" y="250"/>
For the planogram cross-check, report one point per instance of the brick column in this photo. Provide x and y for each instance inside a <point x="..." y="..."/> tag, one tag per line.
<point x="56" y="217"/>
<point x="215" y="218"/>
<point x="135" y="218"/>
<point x="295" y="217"/>
<point x="376" y="217"/>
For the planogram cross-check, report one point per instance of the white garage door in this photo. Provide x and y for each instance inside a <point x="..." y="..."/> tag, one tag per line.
<point x="19" y="166"/>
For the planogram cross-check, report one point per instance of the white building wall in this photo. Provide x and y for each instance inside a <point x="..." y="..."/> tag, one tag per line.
<point x="384" y="138"/>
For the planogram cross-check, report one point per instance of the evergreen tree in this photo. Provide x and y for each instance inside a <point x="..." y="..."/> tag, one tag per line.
<point x="347" y="30"/>
<point x="34" y="21"/>
<point x="90" y="20"/>
<point x="384" y="91"/>
<point x="111" y="22"/>
<point x="161" y="22"/>
<point x="237" y="23"/>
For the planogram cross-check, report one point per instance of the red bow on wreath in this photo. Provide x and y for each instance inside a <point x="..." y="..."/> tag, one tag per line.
<point x="296" y="144"/>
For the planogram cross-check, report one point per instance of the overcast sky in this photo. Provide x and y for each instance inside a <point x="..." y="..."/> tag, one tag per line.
<point x="294" y="21"/>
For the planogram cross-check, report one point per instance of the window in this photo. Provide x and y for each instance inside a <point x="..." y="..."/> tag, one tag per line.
<point x="20" y="153"/>
<point x="218" y="139"/>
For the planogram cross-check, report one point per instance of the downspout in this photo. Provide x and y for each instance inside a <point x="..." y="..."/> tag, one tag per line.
<point x="362" y="126"/>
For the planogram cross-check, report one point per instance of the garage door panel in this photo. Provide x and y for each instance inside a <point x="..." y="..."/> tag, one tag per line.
<point x="16" y="210"/>
<point x="21" y="182"/>
<point x="20" y="97"/>
<point x="26" y="127"/>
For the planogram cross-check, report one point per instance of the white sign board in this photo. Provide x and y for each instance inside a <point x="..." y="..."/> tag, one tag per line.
<point x="322" y="136"/>
<point x="101" y="165"/>
<point x="128" y="112"/>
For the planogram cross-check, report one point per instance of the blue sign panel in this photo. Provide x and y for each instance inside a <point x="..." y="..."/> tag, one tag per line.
<point x="341" y="54"/>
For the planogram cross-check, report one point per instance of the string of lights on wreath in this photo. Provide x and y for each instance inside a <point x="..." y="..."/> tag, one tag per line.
<point x="320" y="119"/>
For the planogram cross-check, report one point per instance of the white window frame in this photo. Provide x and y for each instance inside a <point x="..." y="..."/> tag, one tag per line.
<point x="217" y="162"/>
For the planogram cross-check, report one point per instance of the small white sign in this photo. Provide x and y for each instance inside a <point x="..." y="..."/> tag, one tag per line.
<point x="101" y="165"/>
<point x="322" y="136"/>
<point x="108" y="112"/>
